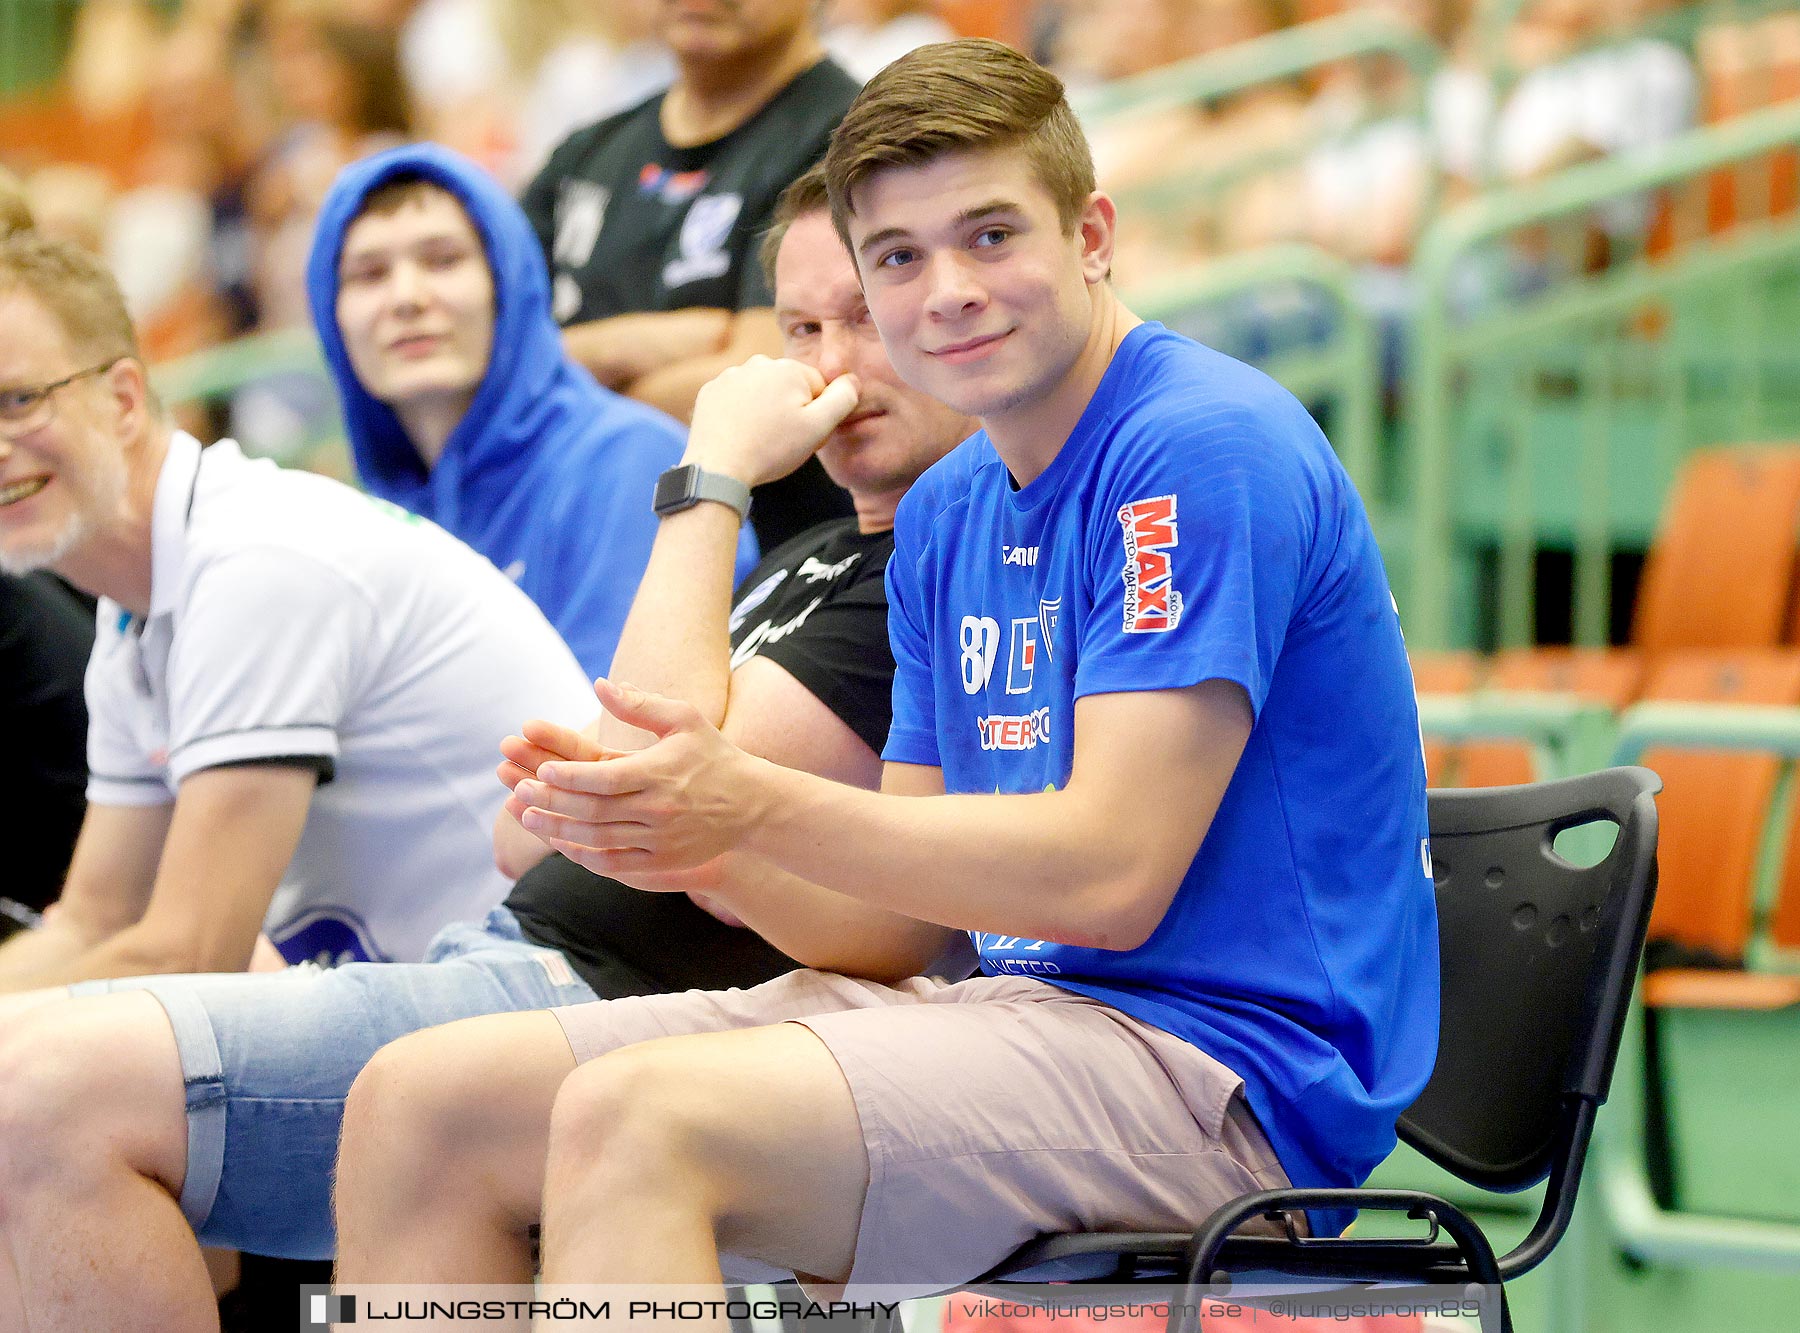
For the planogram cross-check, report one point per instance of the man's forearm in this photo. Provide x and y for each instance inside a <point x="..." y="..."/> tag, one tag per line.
<point x="756" y="422"/>
<point x="1041" y="866"/>
<point x="672" y="388"/>
<point x="676" y="638"/>
<point x="676" y="383"/>
<point x="33" y="951"/>
<point x="623" y="349"/>
<point x="821" y="929"/>
<point x="69" y="958"/>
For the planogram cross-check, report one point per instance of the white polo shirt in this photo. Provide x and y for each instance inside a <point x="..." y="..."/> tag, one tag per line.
<point x="293" y="619"/>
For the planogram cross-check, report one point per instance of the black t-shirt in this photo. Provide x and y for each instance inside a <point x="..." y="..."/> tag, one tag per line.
<point x="817" y="607"/>
<point x="46" y="634"/>
<point x="630" y="224"/>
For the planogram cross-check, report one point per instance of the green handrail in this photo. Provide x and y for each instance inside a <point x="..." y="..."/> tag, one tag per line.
<point x="222" y="369"/>
<point x="1276" y="57"/>
<point x="1279" y="55"/>
<point x="1697" y="726"/>
<point x="1439" y="343"/>
<point x="1347" y="367"/>
<point x="30" y="43"/>
<point x="1568" y="734"/>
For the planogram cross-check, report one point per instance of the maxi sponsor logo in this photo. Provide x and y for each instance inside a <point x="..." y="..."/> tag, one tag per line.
<point x="1025" y="731"/>
<point x="1151" y="602"/>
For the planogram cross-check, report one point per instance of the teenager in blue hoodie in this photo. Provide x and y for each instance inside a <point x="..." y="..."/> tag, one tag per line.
<point x="430" y="297"/>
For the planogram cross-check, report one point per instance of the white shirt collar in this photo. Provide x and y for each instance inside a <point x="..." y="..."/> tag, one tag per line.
<point x="169" y="513"/>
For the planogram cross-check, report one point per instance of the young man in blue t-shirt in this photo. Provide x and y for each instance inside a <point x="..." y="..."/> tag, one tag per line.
<point x="1154" y="751"/>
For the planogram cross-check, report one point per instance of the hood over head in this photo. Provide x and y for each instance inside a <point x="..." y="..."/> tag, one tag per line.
<point x="530" y="389"/>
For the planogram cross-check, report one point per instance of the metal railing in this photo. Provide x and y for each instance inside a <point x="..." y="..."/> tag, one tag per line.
<point x="272" y="390"/>
<point x="1197" y="196"/>
<point x="1279" y="55"/>
<point x="1334" y="367"/>
<point x="1565" y="733"/>
<point x="1556" y="416"/>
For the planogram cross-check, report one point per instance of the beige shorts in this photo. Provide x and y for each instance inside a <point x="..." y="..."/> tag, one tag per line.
<point x="994" y="1110"/>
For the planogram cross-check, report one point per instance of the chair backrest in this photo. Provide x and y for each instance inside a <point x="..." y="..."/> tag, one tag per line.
<point x="1538" y="959"/>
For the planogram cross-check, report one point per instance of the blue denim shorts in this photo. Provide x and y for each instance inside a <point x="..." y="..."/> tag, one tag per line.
<point x="269" y="1058"/>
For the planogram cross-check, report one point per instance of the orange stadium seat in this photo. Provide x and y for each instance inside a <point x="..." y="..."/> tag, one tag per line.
<point x="1609" y="676"/>
<point x="1720" y="577"/>
<point x="1443" y="673"/>
<point x="1715" y="803"/>
<point x="1746" y="67"/>
<point x="1721" y="571"/>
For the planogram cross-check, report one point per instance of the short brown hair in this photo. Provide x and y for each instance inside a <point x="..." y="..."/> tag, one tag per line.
<point x="954" y="97"/>
<point x="76" y="289"/>
<point x="396" y="192"/>
<point x="15" y="207"/>
<point x="805" y="195"/>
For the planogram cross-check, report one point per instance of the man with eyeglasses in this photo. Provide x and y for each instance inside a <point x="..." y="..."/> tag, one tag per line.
<point x="295" y="691"/>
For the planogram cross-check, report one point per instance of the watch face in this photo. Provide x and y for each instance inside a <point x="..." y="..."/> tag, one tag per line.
<point x="675" y="489"/>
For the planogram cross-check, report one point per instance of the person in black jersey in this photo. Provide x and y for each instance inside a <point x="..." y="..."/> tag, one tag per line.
<point x="46" y="633"/>
<point x="650" y="218"/>
<point x="96" y="1139"/>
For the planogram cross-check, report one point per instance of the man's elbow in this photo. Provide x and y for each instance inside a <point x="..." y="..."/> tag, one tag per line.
<point x="1121" y="913"/>
<point x="515" y="850"/>
<point x="513" y="858"/>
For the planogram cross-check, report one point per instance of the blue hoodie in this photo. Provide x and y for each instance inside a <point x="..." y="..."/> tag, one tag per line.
<point x="548" y="474"/>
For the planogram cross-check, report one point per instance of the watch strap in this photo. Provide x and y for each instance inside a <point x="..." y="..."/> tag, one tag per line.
<point x="687" y="485"/>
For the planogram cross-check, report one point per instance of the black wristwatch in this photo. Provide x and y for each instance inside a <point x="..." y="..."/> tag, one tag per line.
<point x="685" y="486"/>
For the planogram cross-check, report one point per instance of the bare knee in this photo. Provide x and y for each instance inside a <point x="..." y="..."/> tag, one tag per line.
<point x="86" y="1087"/>
<point x="409" y="1099"/>
<point x="641" y="1114"/>
<point x="456" y="1105"/>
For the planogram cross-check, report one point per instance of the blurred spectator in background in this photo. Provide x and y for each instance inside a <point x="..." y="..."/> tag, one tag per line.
<point x="340" y="96"/>
<point x="1099" y="41"/>
<point x="430" y="297"/>
<point x="865" y="35"/>
<point x="503" y="81"/>
<point x="578" y="62"/>
<point x="1589" y="84"/>
<point x="650" y="219"/>
<point x="1366" y="189"/>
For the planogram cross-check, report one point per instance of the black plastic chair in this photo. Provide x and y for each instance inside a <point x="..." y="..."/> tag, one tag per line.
<point x="1539" y="956"/>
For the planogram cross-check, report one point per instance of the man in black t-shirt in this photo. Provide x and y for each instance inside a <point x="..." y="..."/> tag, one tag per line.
<point x="807" y="675"/>
<point x="796" y="667"/>
<point x="46" y="634"/>
<point x="650" y="218"/>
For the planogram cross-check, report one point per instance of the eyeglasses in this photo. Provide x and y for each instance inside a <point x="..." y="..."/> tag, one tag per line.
<point x="30" y="408"/>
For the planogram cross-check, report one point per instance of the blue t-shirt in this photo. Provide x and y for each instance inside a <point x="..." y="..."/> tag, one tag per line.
<point x="1197" y="526"/>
